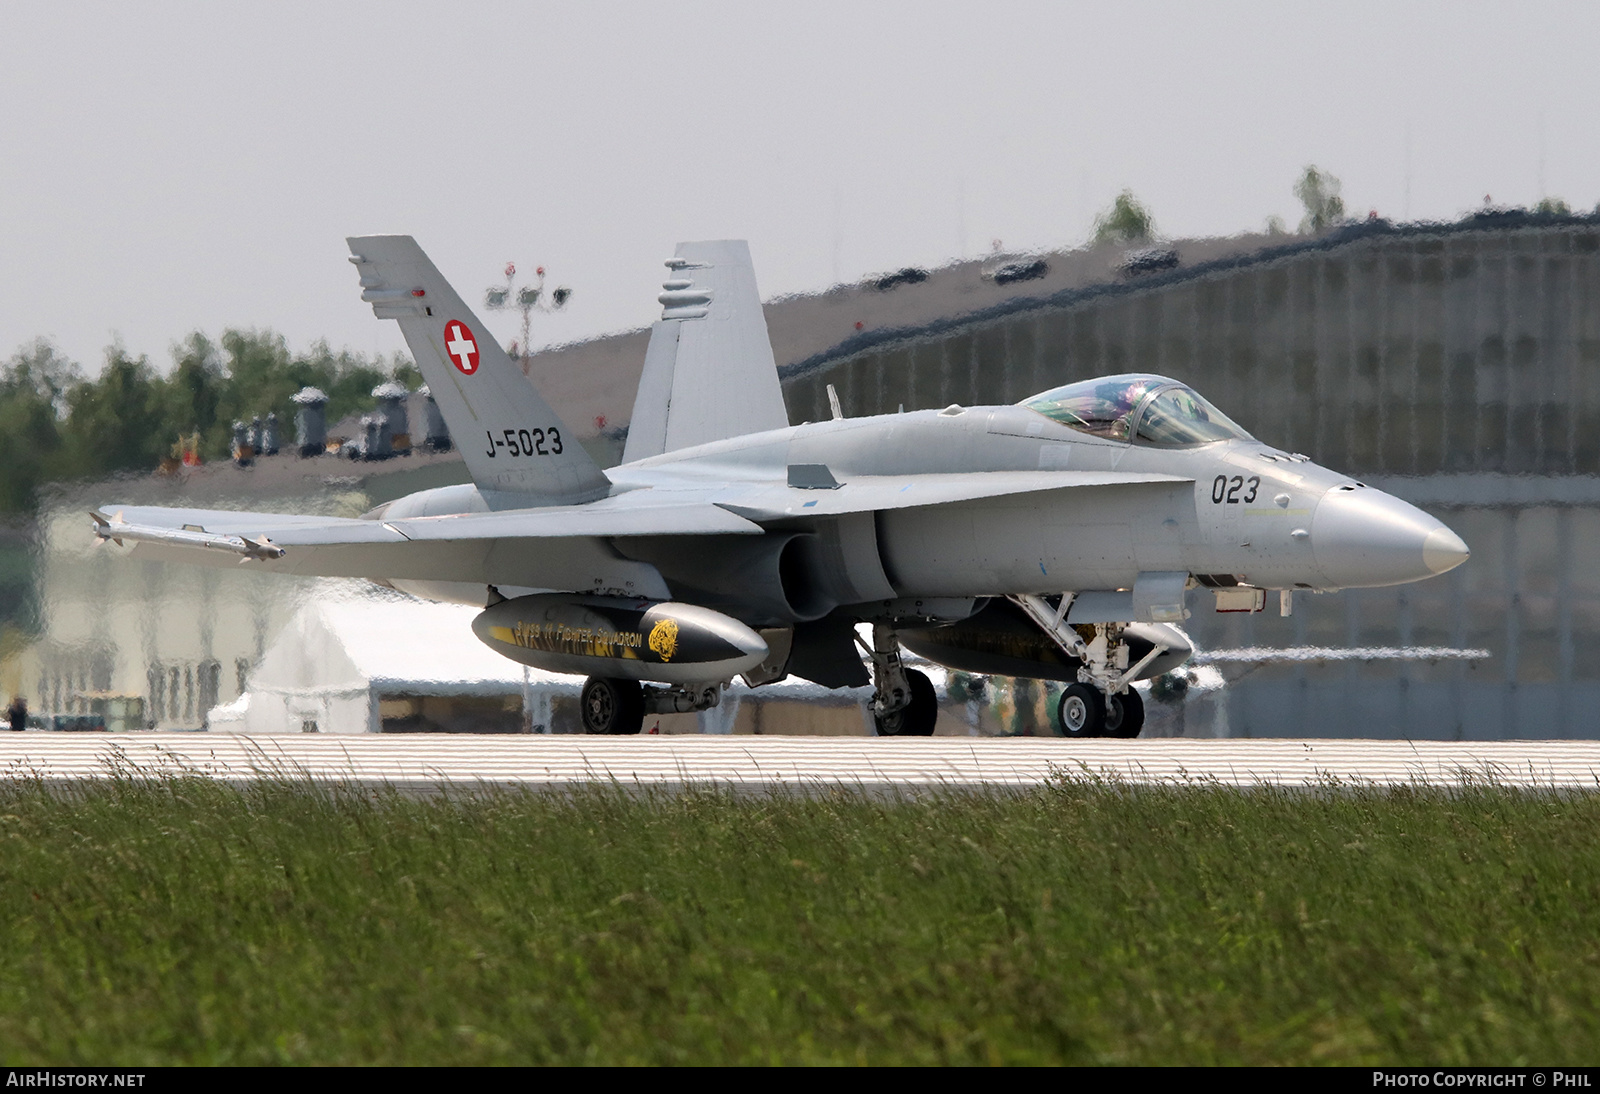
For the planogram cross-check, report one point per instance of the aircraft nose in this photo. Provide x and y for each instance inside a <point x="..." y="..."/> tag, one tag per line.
<point x="1364" y="538"/>
<point x="1443" y="550"/>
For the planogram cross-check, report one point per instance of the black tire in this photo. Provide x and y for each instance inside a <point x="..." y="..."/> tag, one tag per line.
<point x="611" y="705"/>
<point x="1124" y="714"/>
<point x="918" y="717"/>
<point x="1081" y="711"/>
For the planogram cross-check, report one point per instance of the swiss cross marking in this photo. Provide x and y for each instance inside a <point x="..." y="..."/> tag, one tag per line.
<point x="461" y="346"/>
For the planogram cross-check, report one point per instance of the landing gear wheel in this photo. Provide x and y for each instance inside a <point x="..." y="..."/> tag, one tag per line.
<point x="916" y="718"/>
<point x="1124" y="714"/>
<point x="1082" y="711"/>
<point x="612" y="705"/>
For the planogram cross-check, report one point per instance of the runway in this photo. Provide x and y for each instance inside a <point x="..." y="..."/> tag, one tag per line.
<point x="438" y="762"/>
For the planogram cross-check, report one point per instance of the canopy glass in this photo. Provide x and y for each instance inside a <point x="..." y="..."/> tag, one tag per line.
<point x="1144" y="409"/>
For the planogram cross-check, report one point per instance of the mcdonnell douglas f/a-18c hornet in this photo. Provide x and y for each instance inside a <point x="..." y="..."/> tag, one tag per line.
<point x="1052" y="539"/>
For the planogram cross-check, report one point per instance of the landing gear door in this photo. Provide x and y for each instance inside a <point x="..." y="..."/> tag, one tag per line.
<point x="1158" y="597"/>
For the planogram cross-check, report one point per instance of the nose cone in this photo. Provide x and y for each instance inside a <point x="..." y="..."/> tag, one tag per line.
<point x="1443" y="550"/>
<point x="1364" y="537"/>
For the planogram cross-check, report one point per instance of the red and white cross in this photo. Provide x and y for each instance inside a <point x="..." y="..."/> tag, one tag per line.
<point x="461" y="347"/>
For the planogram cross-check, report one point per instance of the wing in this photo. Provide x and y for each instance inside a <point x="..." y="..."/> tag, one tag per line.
<point x="565" y="547"/>
<point x="823" y="496"/>
<point x="555" y="547"/>
<point x="709" y="372"/>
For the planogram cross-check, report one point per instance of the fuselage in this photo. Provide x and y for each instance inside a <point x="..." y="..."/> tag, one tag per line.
<point x="1267" y="517"/>
<point x="1235" y="510"/>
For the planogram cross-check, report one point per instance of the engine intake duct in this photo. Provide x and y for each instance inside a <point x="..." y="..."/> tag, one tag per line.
<point x="779" y="578"/>
<point x="741" y="575"/>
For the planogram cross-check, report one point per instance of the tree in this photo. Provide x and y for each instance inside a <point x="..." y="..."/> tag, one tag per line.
<point x="1553" y="207"/>
<point x="1318" y="191"/>
<point x="404" y="371"/>
<point x="1127" y="221"/>
<point x="33" y="388"/>
<point x="193" y="394"/>
<point x="115" y="421"/>
<point x="40" y="368"/>
<point x="55" y="424"/>
<point x="349" y="381"/>
<point x="261" y="379"/>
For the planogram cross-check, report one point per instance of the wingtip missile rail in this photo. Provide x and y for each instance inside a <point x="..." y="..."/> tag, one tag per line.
<point x="118" y="530"/>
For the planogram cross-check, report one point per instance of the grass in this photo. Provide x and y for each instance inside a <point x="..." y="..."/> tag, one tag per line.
<point x="189" y="922"/>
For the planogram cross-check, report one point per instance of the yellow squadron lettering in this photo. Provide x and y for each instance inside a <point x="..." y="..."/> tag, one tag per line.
<point x="560" y="638"/>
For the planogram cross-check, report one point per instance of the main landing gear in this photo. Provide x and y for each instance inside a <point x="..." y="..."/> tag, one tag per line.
<point x="904" y="703"/>
<point x="614" y="705"/>
<point x="1102" y="703"/>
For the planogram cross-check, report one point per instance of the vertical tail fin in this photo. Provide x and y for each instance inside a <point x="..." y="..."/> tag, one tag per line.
<point x="709" y="373"/>
<point x="512" y="441"/>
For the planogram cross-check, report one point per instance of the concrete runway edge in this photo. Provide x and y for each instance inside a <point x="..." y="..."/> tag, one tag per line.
<point x="436" y="762"/>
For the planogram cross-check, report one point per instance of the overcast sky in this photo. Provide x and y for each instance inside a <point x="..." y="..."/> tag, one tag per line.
<point x="167" y="167"/>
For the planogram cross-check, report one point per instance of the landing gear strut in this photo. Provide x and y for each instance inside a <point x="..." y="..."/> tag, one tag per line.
<point x="1102" y="703"/>
<point x="904" y="703"/>
<point x="614" y="705"/>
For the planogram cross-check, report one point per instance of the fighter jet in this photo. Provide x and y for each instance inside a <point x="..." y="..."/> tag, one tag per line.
<point x="1055" y="538"/>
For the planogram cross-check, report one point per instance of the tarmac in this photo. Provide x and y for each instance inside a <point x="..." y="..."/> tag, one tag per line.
<point x="435" y="762"/>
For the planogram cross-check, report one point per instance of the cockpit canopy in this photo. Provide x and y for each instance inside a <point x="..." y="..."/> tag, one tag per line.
<point x="1144" y="409"/>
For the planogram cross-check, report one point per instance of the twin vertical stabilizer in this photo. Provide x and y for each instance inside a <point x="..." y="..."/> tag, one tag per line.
<point x="518" y="452"/>
<point x="709" y="373"/>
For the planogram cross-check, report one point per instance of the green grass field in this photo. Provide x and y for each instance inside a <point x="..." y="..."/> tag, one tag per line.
<point x="186" y="922"/>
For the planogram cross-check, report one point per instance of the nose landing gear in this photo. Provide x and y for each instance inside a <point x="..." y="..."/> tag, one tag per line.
<point x="1081" y="711"/>
<point x="1124" y="714"/>
<point x="1102" y="703"/>
<point x="1084" y="712"/>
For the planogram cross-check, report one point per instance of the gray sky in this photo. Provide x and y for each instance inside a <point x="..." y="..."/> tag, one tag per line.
<point x="167" y="167"/>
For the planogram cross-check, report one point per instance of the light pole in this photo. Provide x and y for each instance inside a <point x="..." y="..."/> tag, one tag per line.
<point x="526" y="299"/>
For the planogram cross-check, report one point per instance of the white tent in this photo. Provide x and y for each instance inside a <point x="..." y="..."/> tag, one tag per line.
<point x="363" y="664"/>
<point x="377" y="661"/>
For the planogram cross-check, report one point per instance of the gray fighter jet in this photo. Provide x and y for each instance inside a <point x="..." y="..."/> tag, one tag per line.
<point x="1052" y="539"/>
